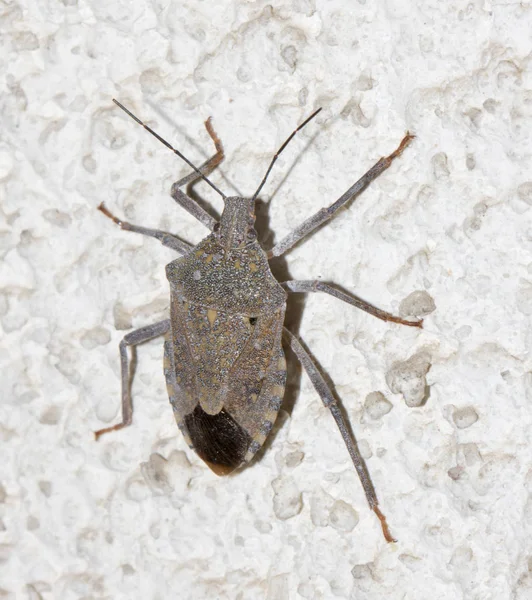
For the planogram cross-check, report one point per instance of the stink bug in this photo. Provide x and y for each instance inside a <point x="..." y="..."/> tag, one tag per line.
<point x="224" y="363"/>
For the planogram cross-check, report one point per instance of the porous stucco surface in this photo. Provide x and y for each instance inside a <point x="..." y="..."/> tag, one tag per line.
<point x="137" y="514"/>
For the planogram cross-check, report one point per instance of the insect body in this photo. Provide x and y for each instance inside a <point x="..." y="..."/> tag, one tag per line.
<point x="224" y="362"/>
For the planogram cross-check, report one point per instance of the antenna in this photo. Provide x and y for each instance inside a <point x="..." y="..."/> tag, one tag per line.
<point x="169" y="146"/>
<point x="288" y="139"/>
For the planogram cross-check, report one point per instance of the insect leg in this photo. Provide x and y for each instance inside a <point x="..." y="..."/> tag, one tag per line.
<point x="184" y="200"/>
<point x="323" y="215"/>
<point x="318" y="286"/>
<point x="330" y="402"/>
<point x="139" y="336"/>
<point x="166" y="239"/>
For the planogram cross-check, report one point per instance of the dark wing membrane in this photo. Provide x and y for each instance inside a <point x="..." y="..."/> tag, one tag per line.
<point x="218" y="439"/>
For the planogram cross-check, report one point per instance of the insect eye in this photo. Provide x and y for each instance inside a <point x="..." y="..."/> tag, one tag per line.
<point x="216" y="227"/>
<point x="252" y="321"/>
<point x="252" y="235"/>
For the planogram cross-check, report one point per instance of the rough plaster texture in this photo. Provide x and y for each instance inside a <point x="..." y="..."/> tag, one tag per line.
<point x="137" y="515"/>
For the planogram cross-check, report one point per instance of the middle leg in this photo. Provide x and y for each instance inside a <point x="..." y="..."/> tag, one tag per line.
<point x="166" y="239"/>
<point x="318" y="286"/>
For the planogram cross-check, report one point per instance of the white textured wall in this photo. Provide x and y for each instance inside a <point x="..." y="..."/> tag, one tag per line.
<point x="138" y="515"/>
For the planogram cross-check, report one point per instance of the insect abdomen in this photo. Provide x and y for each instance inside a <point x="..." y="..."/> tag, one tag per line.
<point x="225" y="376"/>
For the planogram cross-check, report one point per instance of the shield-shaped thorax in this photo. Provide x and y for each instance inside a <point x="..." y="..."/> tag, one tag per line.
<point x="224" y="365"/>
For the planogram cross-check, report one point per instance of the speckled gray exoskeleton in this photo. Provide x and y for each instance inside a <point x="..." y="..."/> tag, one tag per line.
<point x="224" y="363"/>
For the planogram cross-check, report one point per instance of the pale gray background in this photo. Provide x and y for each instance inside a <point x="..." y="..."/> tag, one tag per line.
<point x="138" y="515"/>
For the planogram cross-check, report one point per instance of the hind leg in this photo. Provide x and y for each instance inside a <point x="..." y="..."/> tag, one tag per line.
<point x="139" y="336"/>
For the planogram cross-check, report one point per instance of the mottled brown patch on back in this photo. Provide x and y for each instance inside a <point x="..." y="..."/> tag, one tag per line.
<point x="238" y="281"/>
<point x="255" y="376"/>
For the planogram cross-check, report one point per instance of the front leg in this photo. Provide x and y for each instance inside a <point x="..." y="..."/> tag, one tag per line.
<point x="180" y="197"/>
<point x="318" y="286"/>
<point x="323" y="215"/>
<point x="139" y="336"/>
<point x="329" y="401"/>
<point x="189" y="204"/>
